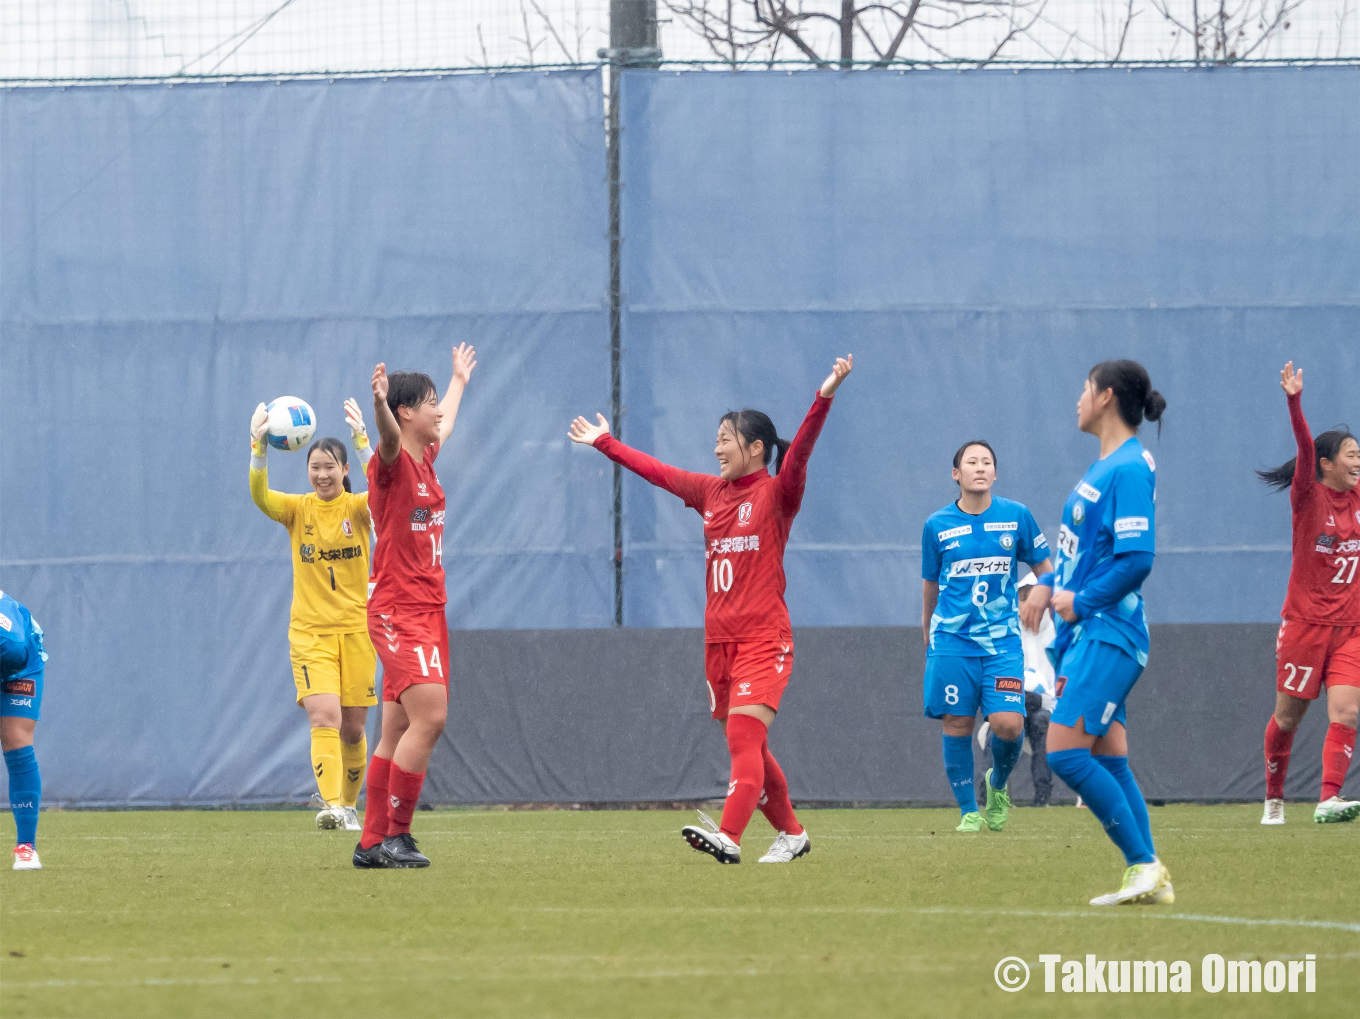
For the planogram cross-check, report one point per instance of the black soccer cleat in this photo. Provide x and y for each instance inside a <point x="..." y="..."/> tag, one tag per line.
<point x="369" y="859"/>
<point x="400" y="851"/>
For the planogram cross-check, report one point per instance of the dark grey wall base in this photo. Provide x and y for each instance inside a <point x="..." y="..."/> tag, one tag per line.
<point x="597" y="716"/>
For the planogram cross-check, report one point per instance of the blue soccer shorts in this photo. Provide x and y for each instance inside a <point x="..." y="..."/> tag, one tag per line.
<point x="1093" y="680"/>
<point x="21" y="696"/>
<point x="956" y="685"/>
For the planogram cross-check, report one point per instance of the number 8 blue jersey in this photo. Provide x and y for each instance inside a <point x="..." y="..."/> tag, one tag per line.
<point x="1112" y="510"/>
<point x="975" y="560"/>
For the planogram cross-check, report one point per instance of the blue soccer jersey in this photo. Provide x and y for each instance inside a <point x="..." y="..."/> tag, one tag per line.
<point x="975" y="561"/>
<point x="21" y="660"/>
<point x="1112" y="510"/>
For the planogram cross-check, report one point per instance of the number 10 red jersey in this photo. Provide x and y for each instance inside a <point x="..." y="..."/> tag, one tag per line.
<point x="746" y="525"/>
<point x="407" y="504"/>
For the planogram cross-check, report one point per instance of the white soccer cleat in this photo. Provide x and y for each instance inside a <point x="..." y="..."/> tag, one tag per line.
<point x="1143" y="882"/>
<point x="711" y="841"/>
<point x="1335" y="809"/>
<point x="1274" y="812"/>
<point x="26" y="857"/>
<point x="786" y="848"/>
<point x="352" y="819"/>
<point x="1165" y="895"/>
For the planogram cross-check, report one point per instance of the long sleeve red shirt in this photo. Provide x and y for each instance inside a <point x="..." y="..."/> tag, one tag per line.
<point x="1324" y="577"/>
<point x="746" y="526"/>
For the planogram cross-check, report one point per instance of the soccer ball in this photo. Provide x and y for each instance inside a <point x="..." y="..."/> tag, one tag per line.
<point x="291" y="423"/>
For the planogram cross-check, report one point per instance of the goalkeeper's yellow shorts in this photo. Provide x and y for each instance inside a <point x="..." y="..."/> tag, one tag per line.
<point x="343" y="664"/>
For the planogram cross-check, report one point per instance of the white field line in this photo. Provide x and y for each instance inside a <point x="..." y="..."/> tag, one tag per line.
<point x="1112" y="914"/>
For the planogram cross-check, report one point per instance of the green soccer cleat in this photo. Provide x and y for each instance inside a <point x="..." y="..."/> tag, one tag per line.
<point x="1145" y="884"/>
<point x="1335" y="809"/>
<point x="998" y="804"/>
<point x="972" y="821"/>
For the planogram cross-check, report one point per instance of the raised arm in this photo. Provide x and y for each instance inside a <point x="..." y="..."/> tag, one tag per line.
<point x="358" y="432"/>
<point x="389" y="434"/>
<point x="274" y="505"/>
<point x="464" y="360"/>
<point x="1305" y="462"/>
<point x="690" y="487"/>
<point x="792" y="477"/>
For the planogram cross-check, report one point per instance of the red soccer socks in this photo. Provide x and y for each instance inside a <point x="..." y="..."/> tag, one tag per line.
<point x="376" y="809"/>
<point x="745" y="741"/>
<point x="1337" y="749"/>
<point x="403" y="795"/>
<point x="775" y="803"/>
<point x="1278" y="743"/>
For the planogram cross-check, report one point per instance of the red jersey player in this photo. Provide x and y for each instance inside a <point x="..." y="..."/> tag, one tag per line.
<point x="406" y="609"/>
<point x="1319" y="641"/>
<point x="748" y="652"/>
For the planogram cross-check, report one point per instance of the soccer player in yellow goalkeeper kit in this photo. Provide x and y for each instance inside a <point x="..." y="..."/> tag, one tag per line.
<point x="333" y="659"/>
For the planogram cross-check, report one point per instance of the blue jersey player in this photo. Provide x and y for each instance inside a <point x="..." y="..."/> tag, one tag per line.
<point x="970" y="556"/>
<point x="21" y="686"/>
<point x="1105" y="552"/>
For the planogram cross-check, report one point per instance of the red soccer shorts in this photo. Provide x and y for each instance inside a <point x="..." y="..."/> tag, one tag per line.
<point x="413" y="648"/>
<point x="745" y="673"/>
<point x="1309" y="656"/>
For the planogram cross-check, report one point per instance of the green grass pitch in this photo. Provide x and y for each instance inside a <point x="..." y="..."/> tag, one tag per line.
<point x="554" y="913"/>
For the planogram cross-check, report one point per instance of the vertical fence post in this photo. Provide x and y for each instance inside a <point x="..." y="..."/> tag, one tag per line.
<point x="632" y="43"/>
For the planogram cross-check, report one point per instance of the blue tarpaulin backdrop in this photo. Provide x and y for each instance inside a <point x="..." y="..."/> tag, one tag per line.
<point x="171" y="256"/>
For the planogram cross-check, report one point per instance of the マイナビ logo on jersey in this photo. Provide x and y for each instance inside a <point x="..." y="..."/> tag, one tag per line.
<point x="955" y="532"/>
<point x="743" y="514"/>
<point x="987" y="566"/>
<point x="1088" y="493"/>
<point x="348" y="528"/>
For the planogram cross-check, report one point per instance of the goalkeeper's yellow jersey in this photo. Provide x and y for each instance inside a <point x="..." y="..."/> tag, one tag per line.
<point x="330" y="544"/>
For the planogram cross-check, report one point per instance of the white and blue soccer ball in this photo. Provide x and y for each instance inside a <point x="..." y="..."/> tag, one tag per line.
<point x="292" y="423"/>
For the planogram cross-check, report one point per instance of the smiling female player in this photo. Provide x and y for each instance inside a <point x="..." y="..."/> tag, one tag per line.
<point x="970" y="556"/>
<point x="1105" y="550"/>
<point x="1319" y="641"/>
<point x="333" y="663"/>
<point x="748" y="640"/>
<point x="406" y="611"/>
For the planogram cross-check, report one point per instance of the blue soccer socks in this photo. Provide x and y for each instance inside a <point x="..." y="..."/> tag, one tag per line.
<point x="1102" y="793"/>
<point x="25" y="792"/>
<point x="958" y="768"/>
<point x="1119" y="768"/>
<point x="1005" y="755"/>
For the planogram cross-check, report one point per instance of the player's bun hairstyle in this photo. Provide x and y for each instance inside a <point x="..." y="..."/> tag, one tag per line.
<point x="754" y="424"/>
<point x="1326" y="446"/>
<point x="408" y="389"/>
<point x="1132" y="390"/>
<point x="958" y="457"/>
<point x="335" y="448"/>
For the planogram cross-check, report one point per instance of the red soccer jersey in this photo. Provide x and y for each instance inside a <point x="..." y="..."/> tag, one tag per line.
<point x="746" y="525"/>
<point x="1324" y="579"/>
<point x="408" y="515"/>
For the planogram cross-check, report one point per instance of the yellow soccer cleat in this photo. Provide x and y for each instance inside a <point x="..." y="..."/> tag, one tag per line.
<point x="972" y="821"/>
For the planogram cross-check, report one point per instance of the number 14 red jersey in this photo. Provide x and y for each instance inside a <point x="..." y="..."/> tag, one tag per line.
<point x="1324" y="577"/>
<point x="407" y="504"/>
<point x="746" y="525"/>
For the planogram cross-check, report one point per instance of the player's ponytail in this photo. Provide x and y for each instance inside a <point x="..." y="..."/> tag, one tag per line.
<point x="1133" y="391"/>
<point x="751" y="425"/>
<point x="1326" y="446"/>
<point x="335" y="448"/>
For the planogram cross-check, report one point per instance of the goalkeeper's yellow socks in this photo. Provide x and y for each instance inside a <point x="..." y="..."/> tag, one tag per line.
<point x="355" y="757"/>
<point x="326" y="762"/>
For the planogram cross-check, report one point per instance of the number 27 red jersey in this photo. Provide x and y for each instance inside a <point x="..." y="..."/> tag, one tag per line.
<point x="407" y="504"/>
<point x="746" y="525"/>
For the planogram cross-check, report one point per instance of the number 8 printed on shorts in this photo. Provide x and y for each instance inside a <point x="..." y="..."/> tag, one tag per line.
<point x="951" y="694"/>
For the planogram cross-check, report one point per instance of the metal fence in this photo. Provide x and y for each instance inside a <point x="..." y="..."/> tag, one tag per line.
<point x="83" y="40"/>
